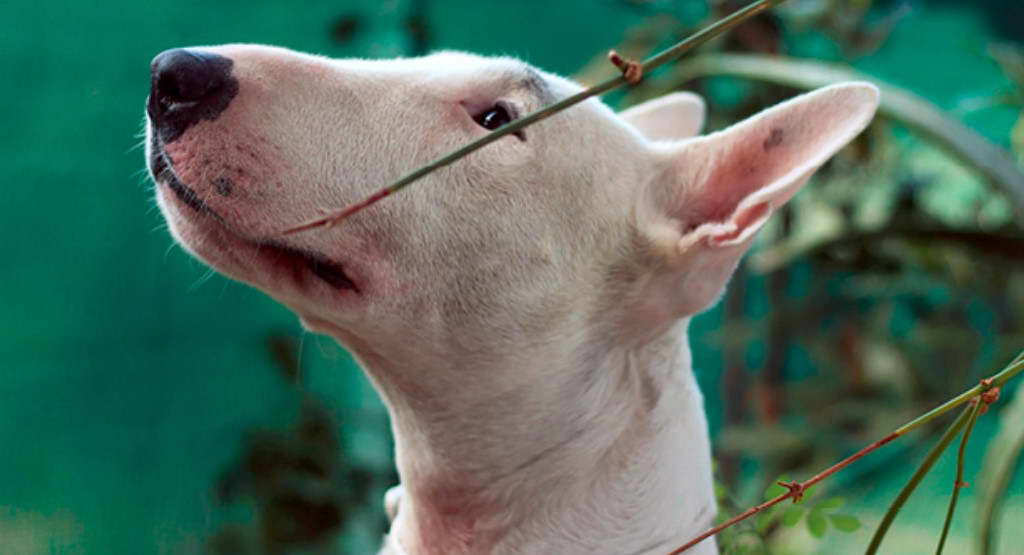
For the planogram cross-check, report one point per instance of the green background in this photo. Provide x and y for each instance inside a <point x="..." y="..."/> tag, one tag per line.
<point x="129" y="375"/>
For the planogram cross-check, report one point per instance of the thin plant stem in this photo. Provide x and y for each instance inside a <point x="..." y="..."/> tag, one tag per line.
<point x="1002" y="475"/>
<point x="915" y="480"/>
<point x="670" y="54"/>
<point x="796" y="489"/>
<point x="999" y="487"/>
<point x="958" y="483"/>
<point x="1004" y="375"/>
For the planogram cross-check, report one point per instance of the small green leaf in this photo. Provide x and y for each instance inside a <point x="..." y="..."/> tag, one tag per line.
<point x="830" y="504"/>
<point x="720" y="492"/>
<point x="746" y="543"/>
<point x="775" y="489"/>
<point x="844" y="523"/>
<point x="816" y="523"/>
<point x="793" y="515"/>
<point x="764" y="520"/>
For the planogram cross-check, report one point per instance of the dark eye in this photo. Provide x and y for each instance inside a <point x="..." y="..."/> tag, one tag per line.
<point x="494" y="117"/>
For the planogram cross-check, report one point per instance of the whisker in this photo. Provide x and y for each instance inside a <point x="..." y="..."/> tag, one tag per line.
<point x="167" y="252"/>
<point x="136" y="146"/>
<point x="203" y="279"/>
<point x="298" y="355"/>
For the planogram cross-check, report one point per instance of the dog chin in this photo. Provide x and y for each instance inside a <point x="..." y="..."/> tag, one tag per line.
<point x="270" y="264"/>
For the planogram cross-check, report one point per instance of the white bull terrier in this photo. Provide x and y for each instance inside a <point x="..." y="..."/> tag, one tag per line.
<point x="522" y="312"/>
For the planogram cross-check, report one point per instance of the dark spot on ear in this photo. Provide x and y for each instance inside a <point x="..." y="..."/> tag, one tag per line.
<point x="224" y="186"/>
<point x="774" y="139"/>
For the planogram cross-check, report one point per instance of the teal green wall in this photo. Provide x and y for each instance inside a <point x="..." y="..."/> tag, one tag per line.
<point x="128" y="374"/>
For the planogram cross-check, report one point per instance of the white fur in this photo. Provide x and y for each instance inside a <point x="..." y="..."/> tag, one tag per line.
<point x="523" y="312"/>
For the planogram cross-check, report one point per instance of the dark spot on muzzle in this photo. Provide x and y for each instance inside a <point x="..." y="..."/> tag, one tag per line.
<point x="188" y="86"/>
<point x="224" y="186"/>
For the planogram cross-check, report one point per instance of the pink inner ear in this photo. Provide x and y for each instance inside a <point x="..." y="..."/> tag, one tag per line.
<point x="730" y="181"/>
<point x="751" y="160"/>
<point x="747" y="218"/>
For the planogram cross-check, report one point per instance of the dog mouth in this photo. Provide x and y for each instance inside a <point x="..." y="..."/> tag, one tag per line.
<point x="295" y="262"/>
<point x="330" y="272"/>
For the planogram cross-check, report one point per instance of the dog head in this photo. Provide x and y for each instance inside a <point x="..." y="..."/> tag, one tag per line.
<point x="586" y="220"/>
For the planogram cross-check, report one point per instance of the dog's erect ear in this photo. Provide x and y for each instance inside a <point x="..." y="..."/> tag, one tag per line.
<point x="674" y="116"/>
<point x="713" y="193"/>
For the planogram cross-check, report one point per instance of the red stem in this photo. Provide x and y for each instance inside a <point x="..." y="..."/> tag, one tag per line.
<point x="794" y="490"/>
<point x="328" y="221"/>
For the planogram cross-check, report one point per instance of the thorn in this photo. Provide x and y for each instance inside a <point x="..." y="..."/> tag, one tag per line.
<point x="990" y="396"/>
<point x="987" y="398"/>
<point x="795" y="488"/>
<point x="632" y="70"/>
<point x="963" y="484"/>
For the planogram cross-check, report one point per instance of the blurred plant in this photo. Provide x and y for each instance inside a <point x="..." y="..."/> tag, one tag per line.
<point x="816" y="516"/>
<point x="978" y="399"/>
<point x="297" y="479"/>
<point x="903" y="256"/>
<point x="1001" y="461"/>
<point x="1010" y="58"/>
<point x="753" y="537"/>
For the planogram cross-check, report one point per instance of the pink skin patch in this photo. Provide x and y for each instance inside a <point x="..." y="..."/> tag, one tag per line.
<point x="220" y="165"/>
<point x="236" y="174"/>
<point x="228" y="164"/>
<point x="281" y="271"/>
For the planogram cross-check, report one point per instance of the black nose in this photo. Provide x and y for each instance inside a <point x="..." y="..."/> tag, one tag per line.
<point x="188" y="86"/>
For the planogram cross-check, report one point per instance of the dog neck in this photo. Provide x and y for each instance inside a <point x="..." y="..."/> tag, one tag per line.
<point x="608" y="452"/>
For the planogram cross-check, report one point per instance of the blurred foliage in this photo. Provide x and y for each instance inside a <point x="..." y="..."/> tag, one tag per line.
<point x="892" y="283"/>
<point x="751" y="536"/>
<point x="996" y="476"/>
<point x="297" y="479"/>
<point x="1010" y="58"/>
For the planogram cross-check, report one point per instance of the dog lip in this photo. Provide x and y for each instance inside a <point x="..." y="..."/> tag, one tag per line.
<point x="160" y="168"/>
<point x="281" y="255"/>
<point x="327" y="270"/>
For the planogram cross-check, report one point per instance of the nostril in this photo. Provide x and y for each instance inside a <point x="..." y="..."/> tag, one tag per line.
<point x="182" y="75"/>
<point x="188" y="86"/>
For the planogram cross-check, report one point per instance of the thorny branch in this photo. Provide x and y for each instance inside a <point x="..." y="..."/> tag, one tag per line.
<point x="982" y="391"/>
<point x="631" y="73"/>
<point x="977" y="406"/>
<point x="922" y="470"/>
<point x="632" y="70"/>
